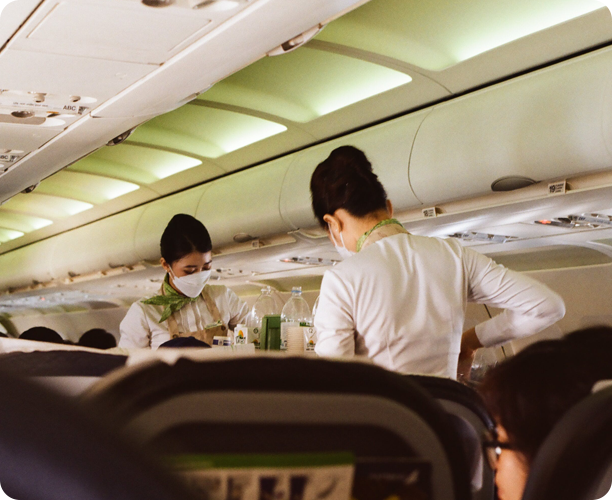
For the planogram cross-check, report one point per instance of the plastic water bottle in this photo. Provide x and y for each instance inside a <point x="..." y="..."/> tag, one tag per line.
<point x="264" y="306"/>
<point x="295" y="313"/>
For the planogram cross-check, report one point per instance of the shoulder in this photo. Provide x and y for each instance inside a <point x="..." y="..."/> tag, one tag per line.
<point x="138" y="312"/>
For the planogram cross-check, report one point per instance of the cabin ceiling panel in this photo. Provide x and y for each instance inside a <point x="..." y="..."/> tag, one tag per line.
<point x="117" y="30"/>
<point x="24" y="138"/>
<point x="14" y="15"/>
<point x="438" y="34"/>
<point x="205" y="132"/>
<point x="68" y="75"/>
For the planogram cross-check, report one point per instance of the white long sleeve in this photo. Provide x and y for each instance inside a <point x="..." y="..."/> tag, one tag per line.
<point x="402" y="301"/>
<point x="529" y="306"/>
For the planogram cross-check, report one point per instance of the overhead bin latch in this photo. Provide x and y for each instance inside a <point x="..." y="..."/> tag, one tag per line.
<point x="297" y="41"/>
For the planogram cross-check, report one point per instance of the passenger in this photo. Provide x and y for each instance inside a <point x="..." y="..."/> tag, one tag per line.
<point x="97" y="338"/>
<point x="401" y="299"/>
<point x="42" y="334"/>
<point x="529" y="393"/>
<point x="186" y="305"/>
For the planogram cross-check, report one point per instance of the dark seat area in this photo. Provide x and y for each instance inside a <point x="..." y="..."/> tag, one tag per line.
<point x="61" y="363"/>
<point x="52" y="450"/>
<point x="471" y="421"/>
<point x="291" y="405"/>
<point x="575" y="460"/>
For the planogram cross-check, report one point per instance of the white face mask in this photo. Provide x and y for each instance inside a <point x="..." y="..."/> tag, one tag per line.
<point x="191" y="285"/>
<point x="344" y="252"/>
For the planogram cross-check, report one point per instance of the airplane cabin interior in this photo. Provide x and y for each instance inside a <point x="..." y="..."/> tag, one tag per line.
<point x="489" y="123"/>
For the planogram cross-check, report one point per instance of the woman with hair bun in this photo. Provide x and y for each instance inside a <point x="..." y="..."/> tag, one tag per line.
<point x="400" y="299"/>
<point x="185" y="306"/>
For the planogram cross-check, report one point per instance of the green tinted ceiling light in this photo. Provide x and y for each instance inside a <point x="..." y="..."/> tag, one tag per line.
<point x="304" y="85"/>
<point x="437" y="34"/>
<point x="135" y="163"/>
<point x="22" y="223"/>
<point x="9" y="234"/>
<point x="207" y="132"/>
<point x="42" y="205"/>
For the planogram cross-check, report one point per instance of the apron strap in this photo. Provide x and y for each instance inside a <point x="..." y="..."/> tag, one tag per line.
<point x="212" y="306"/>
<point x="172" y="325"/>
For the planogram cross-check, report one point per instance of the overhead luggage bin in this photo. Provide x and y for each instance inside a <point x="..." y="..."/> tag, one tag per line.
<point x="108" y="244"/>
<point x="156" y="216"/>
<point x="245" y="206"/>
<point x="545" y="125"/>
<point x="388" y="147"/>
<point x="28" y="265"/>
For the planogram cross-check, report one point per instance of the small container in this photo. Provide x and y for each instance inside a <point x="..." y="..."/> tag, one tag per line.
<point x="219" y="341"/>
<point x="310" y="338"/>
<point x="241" y="335"/>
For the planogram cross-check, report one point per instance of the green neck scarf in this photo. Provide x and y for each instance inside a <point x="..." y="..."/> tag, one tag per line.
<point x="172" y="300"/>
<point x="382" y="223"/>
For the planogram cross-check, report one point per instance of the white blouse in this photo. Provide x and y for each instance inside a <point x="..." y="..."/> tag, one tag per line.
<point x="141" y="327"/>
<point x="401" y="301"/>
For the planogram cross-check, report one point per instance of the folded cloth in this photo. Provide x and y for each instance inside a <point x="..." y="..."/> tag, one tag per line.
<point x="184" y="342"/>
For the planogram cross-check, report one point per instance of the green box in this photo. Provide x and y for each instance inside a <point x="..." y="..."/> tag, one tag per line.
<point x="270" y="337"/>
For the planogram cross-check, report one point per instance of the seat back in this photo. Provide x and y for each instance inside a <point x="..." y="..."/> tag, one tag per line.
<point x="575" y="460"/>
<point x="51" y="450"/>
<point x="285" y="405"/>
<point x="67" y="371"/>
<point x="472" y="423"/>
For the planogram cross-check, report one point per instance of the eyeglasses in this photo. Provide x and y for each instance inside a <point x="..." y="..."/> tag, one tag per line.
<point x="493" y="449"/>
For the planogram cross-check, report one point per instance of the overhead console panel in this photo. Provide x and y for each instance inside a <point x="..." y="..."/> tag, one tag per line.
<point x="545" y="125"/>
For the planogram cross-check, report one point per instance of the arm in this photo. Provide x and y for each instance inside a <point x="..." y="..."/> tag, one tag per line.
<point x="238" y="309"/>
<point x="334" y="320"/>
<point x="134" y="329"/>
<point x="529" y="305"/>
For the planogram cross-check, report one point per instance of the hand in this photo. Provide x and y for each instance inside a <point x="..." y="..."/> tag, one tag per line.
<point x="469" y="345"/>
<point x="464" y="367"/>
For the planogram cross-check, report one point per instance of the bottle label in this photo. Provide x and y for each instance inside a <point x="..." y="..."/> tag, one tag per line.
<point x="310" y="338"/>
<point x="284" y="326"/>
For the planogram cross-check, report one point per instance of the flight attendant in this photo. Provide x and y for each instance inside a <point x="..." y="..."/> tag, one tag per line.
<point x="185" y="306"/>
<point x="400" y="299"/>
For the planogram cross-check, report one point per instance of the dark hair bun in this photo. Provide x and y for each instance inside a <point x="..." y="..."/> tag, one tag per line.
<point x="346" y="180"/>
<point x="183" y="235"/>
